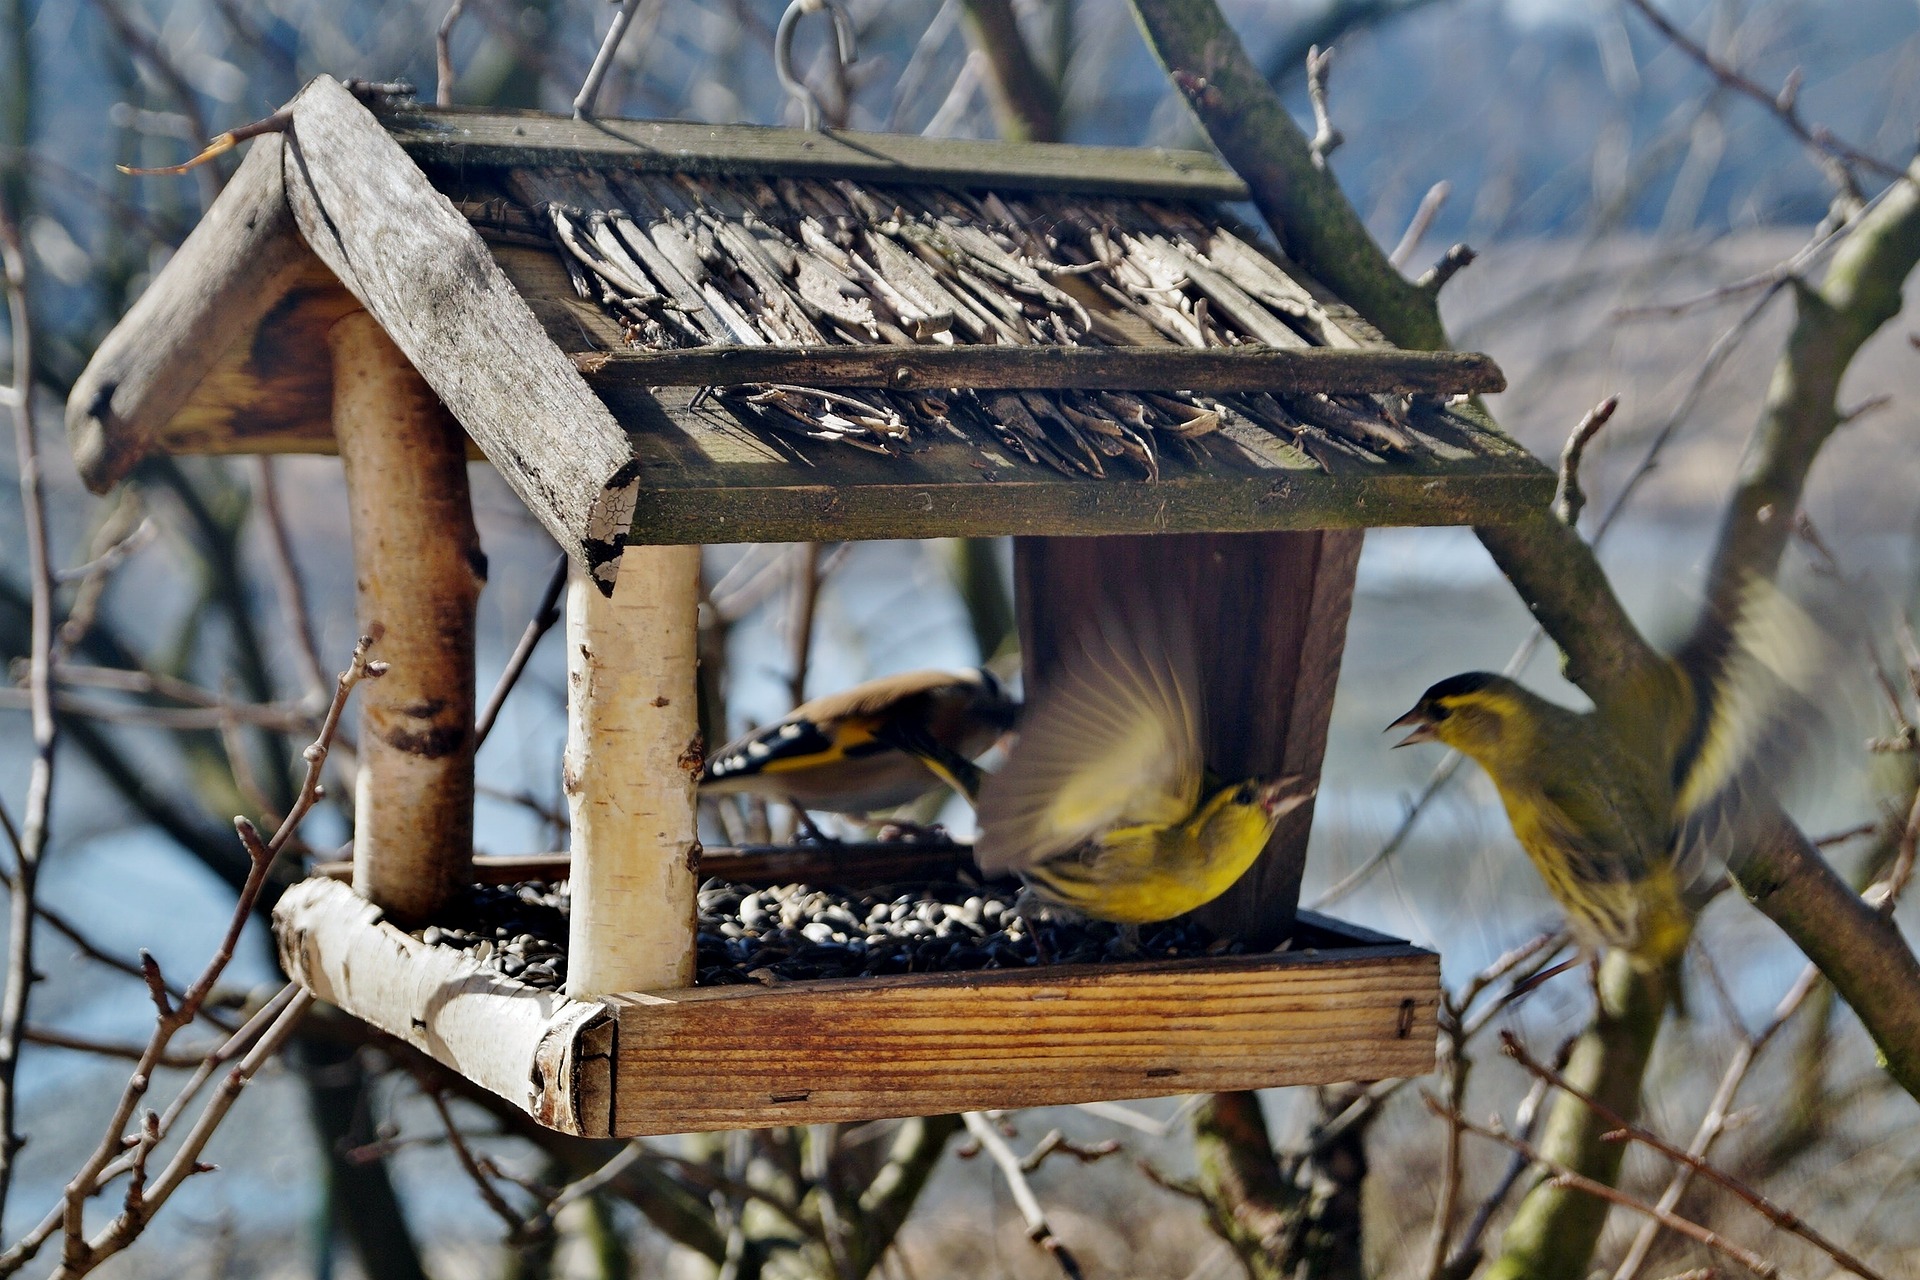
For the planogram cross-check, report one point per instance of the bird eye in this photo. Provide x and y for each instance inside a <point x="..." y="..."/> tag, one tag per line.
<point x="1439" y="712"/>
<point x="1244" y="795"/>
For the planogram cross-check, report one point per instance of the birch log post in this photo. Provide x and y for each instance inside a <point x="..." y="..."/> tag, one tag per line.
<point x="418" y="573"/>
<point x="633" y="757"/>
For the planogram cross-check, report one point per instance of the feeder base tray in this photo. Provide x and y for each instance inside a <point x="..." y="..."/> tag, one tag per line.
<point x="1342" y="1003"/>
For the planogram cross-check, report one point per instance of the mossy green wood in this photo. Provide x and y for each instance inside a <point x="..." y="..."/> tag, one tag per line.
<point x="464" y="137"/>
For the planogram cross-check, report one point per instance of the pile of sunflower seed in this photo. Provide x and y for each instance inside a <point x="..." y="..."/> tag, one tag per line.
<point x="793" y="932"/>
<point x="519" y="929"/>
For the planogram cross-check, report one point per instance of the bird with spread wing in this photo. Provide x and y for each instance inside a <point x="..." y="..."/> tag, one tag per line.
<point x="1630" y="814"/>
<point x="1104" y="806"/>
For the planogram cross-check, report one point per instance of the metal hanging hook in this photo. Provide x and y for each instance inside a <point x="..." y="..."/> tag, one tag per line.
<point x="843" y="48"/>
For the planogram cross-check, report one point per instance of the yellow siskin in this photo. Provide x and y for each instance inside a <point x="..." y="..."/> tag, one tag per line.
<point x="1103" y="806"/>
<point x="1593" y="817"/>
<point x="1630" y="820"/>
<point x="876" y="746"/>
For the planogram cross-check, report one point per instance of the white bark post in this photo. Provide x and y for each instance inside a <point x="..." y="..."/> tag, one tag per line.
<point x="633" y="758"/>
<point x="418" y="573"/>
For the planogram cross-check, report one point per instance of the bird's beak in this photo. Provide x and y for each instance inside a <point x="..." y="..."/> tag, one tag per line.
<point x="1417" y="720"/>
<point x="1285" y="794"/>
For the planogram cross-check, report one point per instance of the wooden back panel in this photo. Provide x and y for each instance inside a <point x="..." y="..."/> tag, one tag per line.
<point x="1270" y="614"/>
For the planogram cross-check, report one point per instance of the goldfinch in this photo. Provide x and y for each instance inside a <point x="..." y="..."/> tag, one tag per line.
<point x="1103" y="805"/>
<point x="876" y="746"/>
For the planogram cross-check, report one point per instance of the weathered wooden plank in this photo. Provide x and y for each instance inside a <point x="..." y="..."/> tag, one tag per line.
<point x="198" y="318"/>
<point x="792" y="510"/>
<point x="1346" y="372"/>
<point x="417" y="578"/>
<point x="421" y="270"/>
<point x="530" y="1047"/>
<point x="632" y="761"/>
<point x="808" y="1052"/>
<point x="466" y="137"/>
<point x="1352" y="1005"/>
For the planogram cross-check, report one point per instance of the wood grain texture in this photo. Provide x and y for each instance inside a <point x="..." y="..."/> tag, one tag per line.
<point x="1043" y="368"/>
<point x="465" y="137"/>
<point x="1344" y="1004"/>
<point x="196" y="324"/>
<point x="801" y="1053"/>
<point x="632" y="763"/>
<point x="417" y="573"/>
<point x="856" y="865"/>
<point x="400" y="247"/>
<point x="534" y="1048"/>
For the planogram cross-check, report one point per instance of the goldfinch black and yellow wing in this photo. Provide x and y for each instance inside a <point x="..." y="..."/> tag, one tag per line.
<point x="1112" y="742"/>
<point x="876" y="745"/>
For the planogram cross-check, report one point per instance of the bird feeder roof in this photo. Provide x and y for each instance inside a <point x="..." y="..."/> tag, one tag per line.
<point x="670" y="333"/>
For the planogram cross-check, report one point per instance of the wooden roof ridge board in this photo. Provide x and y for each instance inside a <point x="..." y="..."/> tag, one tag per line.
<point x="504" y="139"/>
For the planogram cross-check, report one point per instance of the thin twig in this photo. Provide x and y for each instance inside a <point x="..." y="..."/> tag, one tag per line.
<point x="580" y="1188"/>
<point x="545" y="614"/>
<point x="1886" y="893"/>
<point x="1451" y="263"/>
<point x="186" y="1162"/>
<point x="54" y="1038"/>
<point x="1784" y="106"/>
<point x="93" y="951"/>
<point x="1467" y="1251"/>
<point x="1563" y="1176"/>
<point x="1518" y="968"/>
<point x="1624" y="1127"/>
<point x="1456" y="1067"/>
<point x="36" y="816"/>
<point x="285" y="717"/>
<point x="1569" y="498"/>
<point x="113" y="556"/>
<point x="603" y="60"/>
<point x="1417" y="226"/>
<point x="286" y="582"/>
<point x="443" y="55"/>
<point x="119" y="1151"/>
<point x="805" y="602"/>
<point x="1772" y="278"/>
<point x="1038" y="1229"/>
<point x="1326" y="138"/>
<point x="1714" y="1122"/>
<point x="489" y="1193"/>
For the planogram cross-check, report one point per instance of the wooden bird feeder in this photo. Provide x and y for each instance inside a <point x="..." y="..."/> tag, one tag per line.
<point x="669" y="334"/>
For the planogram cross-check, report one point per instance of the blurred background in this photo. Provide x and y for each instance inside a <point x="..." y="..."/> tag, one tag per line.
<point x="1600" y="174"/>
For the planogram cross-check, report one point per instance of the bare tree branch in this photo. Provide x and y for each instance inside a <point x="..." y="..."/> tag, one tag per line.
<point x="1038" y="1229"/>
<point x="31" y="844"/>
<point x="1423" y="216"/>
<point x="1600" y="1191"/>
<point x="1026" y="99"/>
<point x="1767" y="1209"/>
<point x="1325" y="137"/>
<point x="583" y="103"/>
<point x="443" y="54"/>
<point x="545" y="614"/>
<point x="1784" y="105"/>
<point x="1568" y="497"/>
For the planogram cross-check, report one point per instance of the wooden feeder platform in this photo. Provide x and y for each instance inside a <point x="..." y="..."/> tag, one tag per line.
<point x="1342" y="1002"/>
<point x="663" y="335"/>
